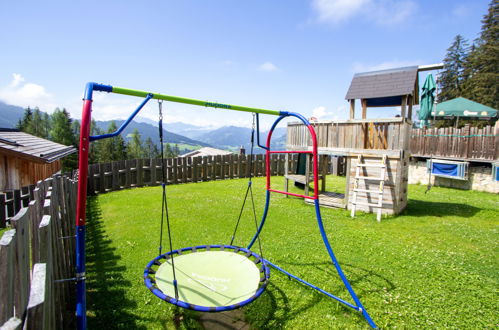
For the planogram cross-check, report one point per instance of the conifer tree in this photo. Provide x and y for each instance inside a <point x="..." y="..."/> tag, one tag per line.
<point x="62" y="133"/>
<point x="95" y="146"/>
<point x="483" y="64"/>
<point x="46" y="124"/>
<point x="150" y="149"/>
<point x="37" y="126"/>
<point x="114" y="148"/>
<point x="25" y="121"/>
<point x="134" y="147"/>
<point x="452" y="78"/>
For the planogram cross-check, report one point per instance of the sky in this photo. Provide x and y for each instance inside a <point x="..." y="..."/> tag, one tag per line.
<point x="293" y="55"/>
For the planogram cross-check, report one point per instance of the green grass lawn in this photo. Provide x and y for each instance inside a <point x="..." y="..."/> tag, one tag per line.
<point x="433" y="266"/>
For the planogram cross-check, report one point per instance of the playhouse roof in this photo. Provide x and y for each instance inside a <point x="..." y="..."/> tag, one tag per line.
<point x="385" y="87"/>
<point x="24" y="145"/>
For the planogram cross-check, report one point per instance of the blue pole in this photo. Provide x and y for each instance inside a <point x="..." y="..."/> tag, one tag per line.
<point x="338" y="267"/>
<point x="262" y="222"/>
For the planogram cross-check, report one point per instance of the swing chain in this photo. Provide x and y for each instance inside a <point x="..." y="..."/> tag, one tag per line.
<point x="160" y="103"/>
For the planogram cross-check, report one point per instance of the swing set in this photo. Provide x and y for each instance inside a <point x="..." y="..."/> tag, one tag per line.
<point x="205" y="278"/>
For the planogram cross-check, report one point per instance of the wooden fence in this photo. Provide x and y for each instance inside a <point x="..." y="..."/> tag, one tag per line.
<point x="37" y="257"/>
<point x="104" y="177"/>
<point x="467" y="143"/>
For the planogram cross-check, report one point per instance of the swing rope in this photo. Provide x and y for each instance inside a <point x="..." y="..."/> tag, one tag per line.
<point x="164" y="204"/>
<point x="249" y="191"/>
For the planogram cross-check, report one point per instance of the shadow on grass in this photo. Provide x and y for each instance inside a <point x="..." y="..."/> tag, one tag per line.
<point x="416" y="207"/>
<point x="107" y="304"/>
<point x="275" y="299"/>
<point x="106" y="287"/>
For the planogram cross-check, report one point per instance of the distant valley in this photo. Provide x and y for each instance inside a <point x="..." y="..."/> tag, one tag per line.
<point x="186" y="136"/>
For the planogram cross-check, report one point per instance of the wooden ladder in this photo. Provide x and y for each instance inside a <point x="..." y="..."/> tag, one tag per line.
<point x="380" y="191"/>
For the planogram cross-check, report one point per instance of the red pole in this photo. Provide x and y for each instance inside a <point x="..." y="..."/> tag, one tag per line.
<point x="81" y="308"/>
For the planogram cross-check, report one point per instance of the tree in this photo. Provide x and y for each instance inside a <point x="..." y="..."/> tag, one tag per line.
<point x="46" y="124"/>
<point x="452" y="78"/>
<point x="25" y="121"/>
<point x="483" y="64"/>
<point x="114" y="148"/>
<point x="169" y="153"/>
<point x="96" y="146"/>
<point x="150" y="149"/>
<point x="134" y="147"/>
<point x="62" y="133"/>
<point x="37" y="126"/>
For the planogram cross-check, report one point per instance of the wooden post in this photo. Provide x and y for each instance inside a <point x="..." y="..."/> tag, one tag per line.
<point x="410" y="103"/>
<point x="240" y="159"/>
<point x="184" y="169"/>
<point x="7" y="253"/>
<point x="115" y="176"/>
<point x="140" y="172"/>
<point x="364" y="108"/>
<point x="205" y="168"/>
<point x="102" y="178"/>
<point x="154" y="180"/>
<point x="352" y="109"/>
<point x="403" y="107"/>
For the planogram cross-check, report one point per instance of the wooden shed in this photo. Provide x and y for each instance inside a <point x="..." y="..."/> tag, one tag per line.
<point x="25" y="159"/>
<point x="376" y="150"/>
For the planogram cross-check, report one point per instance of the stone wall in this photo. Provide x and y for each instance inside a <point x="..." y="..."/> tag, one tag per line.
<point x="479" y="178"/>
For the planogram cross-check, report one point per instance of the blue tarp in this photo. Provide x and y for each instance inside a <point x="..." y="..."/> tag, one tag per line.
<point x="445" y="169"/>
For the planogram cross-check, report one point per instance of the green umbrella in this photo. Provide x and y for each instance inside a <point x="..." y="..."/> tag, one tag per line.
<point x="427" y="99"/>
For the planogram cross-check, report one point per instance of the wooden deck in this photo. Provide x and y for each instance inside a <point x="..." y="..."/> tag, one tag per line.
<point x="330" y="199"/>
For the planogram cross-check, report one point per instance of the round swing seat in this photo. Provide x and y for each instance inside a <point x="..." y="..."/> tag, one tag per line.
<point x="210" y="278"/>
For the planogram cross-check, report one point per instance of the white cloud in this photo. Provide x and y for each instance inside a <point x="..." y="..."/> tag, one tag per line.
<point x="392" y="12"/>
<point x="319" y="112"/>
<point x="381" y="12"/>
<point x="363" y="67"/>
<point x="22" y="94"/>
<point x="268" y="66"/>
<point x="336" y="11"/>
<point x="17" y="79"/>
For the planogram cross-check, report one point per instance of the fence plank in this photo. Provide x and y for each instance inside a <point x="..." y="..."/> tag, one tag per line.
<point x="7" y="257"/>
<point x="12" y="324"/>
<point x="20" y="222"/>
<point x="39" y="308"/>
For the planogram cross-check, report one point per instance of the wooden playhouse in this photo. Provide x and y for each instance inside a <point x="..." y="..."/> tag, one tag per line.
<point x="376" y="151"/>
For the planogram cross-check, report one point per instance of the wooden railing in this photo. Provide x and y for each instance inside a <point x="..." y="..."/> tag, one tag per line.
<point x="350" y="135"/>
<point x="467" y="143"/>
<point x="37" y="259"/>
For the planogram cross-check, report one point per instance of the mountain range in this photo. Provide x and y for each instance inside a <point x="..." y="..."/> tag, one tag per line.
<point x="187" y="136"/>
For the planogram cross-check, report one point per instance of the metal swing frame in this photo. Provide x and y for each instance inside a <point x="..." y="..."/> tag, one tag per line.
<point x="85" y="140"/>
